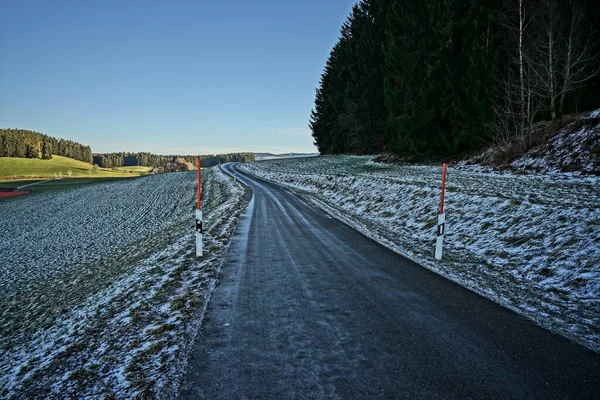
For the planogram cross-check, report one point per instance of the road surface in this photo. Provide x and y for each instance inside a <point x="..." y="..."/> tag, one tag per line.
<point x="309" y="308"/>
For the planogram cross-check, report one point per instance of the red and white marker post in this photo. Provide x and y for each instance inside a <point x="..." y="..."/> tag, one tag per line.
<point x="199" y="214"/>
<point x="441" y="220"/>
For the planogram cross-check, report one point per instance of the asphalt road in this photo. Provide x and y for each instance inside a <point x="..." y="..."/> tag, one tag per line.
<point x="309" y="308"/>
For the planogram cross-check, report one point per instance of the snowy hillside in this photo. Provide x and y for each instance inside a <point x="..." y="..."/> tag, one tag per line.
<point x="529" y="242"/>
<point x="271" y="156"/>
<point x="100" y="288"/>
<point x="576" y="147"/>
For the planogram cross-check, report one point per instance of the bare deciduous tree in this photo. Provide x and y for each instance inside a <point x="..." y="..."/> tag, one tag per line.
<point x="567" y="55"/>
<point x="517" y="102"/>
<point x="581" y="59"/>
<point x="554" y="52"/>
<point x="545" y="58"/>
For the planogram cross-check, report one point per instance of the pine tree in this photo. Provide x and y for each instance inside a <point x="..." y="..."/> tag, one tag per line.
<point x="3" y="146"/>
<point x="46" y="152"/>
<point x="365" y="115"/>
<point x="326" y="130"/>
<point x="405" y="53"/>
<point x="347" y="105"/>
<point x="440" y="75"/>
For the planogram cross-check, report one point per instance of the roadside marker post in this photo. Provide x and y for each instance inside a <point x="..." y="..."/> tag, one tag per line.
<point x="441" y="230"/>
<point x="199" y="214"/>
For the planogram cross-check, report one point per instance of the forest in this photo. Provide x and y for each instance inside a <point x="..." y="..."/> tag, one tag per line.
<point x="441" y="79"/>
<point x="113" y="160"/>
<point x="29" y="144"/>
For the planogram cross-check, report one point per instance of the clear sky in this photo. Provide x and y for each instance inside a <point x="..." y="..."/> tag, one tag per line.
<point x="185" y="77"/>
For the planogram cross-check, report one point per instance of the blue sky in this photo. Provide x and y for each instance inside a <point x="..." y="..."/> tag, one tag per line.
<point x="168" y="77"/>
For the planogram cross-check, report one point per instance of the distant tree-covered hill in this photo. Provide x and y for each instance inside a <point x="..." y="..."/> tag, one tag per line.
<point x="112" y="160"/>
<point x="22" y="143"/>
<point x="29" y="144"/>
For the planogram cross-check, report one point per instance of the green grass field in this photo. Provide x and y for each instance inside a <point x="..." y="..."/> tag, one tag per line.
<point x="60" y="167"/>
<point x="138" y="169"/>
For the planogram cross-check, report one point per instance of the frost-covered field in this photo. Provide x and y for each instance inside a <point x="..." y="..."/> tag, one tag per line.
<point x="529" y="242"/>
<point x="101" y="293"/>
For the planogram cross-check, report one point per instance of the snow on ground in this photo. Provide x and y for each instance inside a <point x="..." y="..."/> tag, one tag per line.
<point x="528" y="242"/>
<point x="576" y="147"/>
<point x="102" y="294"/>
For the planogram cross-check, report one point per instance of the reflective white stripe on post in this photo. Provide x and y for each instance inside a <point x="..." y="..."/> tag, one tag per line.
<point x="441" y="218"/>
<point x="198" y="233"/>
<point x="440" y="236"/>
<point x="199" y="212"/>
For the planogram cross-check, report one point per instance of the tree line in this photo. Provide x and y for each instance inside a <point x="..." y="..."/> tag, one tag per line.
<point x="113" y="160"/>
<point x="29" y="144"/>
<point x="442" y="78"/>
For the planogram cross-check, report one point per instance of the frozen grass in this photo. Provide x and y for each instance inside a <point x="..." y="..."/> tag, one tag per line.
<point x="528" y="242"/>
<point x="101" y="290"/>
<point x="574" y="148"/>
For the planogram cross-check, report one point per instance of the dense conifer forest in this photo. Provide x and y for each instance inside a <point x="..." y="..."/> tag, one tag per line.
<point x="112" y="160"/>
<point x="442" y="78"/>
<point x="29" y="144"/>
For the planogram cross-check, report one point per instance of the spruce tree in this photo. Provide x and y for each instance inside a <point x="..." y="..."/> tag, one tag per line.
<point x="46" y="152"/>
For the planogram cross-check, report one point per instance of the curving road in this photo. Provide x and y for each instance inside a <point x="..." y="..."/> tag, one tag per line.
<point x="309" y="308"/>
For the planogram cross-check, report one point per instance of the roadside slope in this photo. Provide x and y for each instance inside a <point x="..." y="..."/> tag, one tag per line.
<point x="574" y="148"/>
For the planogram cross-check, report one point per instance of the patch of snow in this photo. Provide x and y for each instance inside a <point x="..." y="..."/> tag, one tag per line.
<point x="574" y="148"/>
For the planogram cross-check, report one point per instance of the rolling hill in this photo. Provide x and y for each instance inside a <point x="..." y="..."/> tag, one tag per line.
<point x="57" y="166"/>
